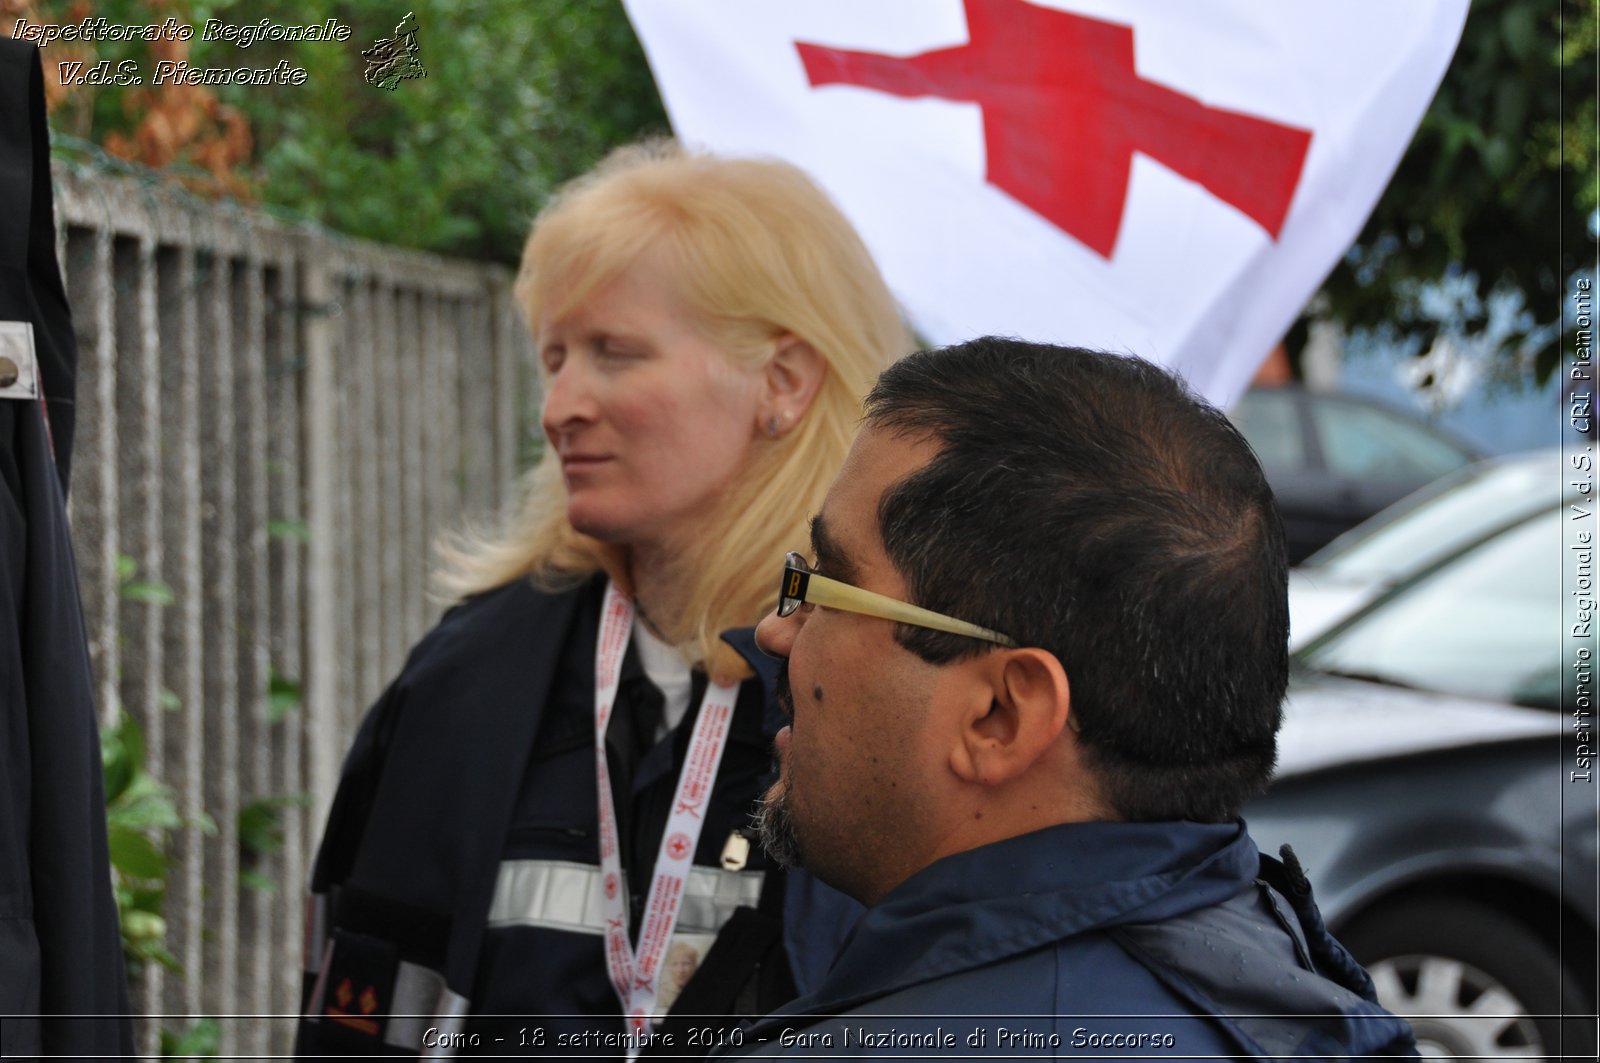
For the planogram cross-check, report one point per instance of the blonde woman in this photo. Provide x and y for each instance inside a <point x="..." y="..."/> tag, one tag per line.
<point x="563" y="775"/>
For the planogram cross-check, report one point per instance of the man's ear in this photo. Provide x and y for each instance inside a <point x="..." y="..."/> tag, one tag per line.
<point x="1029" y="703"/>
<point x="793" y="377"/>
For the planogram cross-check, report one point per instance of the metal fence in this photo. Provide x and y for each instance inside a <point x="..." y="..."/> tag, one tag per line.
<point x="274" y="424"/>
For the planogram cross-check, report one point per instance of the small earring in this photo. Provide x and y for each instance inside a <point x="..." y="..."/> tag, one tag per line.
<point x="772" y="427"/>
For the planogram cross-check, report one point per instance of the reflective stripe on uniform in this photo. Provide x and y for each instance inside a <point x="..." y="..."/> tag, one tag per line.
<point x="423" y="1001"/>
<point x="420" y="1001"/>
<point x="451" y="1017"/>
<point x="562" y="895"/>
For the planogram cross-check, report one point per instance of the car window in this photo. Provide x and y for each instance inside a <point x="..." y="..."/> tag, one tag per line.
<point x="1441" y="522"/>
<point x="1269" y="421"/>
<point x="1488" y="624"/>
<point x="1364" y="443"/>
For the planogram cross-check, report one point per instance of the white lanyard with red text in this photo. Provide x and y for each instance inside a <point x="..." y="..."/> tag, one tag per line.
<point x="636" y="974"/>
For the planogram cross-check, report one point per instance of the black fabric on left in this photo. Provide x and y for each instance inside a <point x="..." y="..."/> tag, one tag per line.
<point x="63" y="983"/>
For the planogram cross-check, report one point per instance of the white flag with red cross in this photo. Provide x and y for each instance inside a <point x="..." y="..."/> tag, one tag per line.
<point x="1171" y="179"/>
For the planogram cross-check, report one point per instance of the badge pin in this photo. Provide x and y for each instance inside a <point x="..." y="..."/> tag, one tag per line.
<point x="19" y="367"/>
<point x="735" y="852"/>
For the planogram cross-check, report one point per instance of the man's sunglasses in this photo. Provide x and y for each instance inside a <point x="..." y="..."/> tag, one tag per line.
<point x="802" y="585"/>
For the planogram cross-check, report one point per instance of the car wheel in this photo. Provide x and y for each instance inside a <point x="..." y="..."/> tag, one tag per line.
<point x="1471" y="982"/>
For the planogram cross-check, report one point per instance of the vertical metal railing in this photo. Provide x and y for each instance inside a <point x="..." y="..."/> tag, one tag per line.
<point x="275" y="423"/>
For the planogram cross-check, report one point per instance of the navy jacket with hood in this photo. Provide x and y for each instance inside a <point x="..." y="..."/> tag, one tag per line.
<point x="1095" y="939"/>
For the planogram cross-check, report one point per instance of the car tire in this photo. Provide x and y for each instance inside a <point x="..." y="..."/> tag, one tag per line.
<point x="1472" y="982"/>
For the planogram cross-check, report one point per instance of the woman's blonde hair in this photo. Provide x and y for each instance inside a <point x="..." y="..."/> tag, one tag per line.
<point x="758" y="251"/>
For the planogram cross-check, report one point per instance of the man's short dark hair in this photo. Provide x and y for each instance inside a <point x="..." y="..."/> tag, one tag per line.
<point x="1091" y="505"/>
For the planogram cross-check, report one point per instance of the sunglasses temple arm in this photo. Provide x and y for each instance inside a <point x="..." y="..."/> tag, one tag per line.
<point x="825" y="591"/>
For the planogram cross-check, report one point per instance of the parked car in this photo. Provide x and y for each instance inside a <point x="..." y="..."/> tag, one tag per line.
<point x="1424" y="781"/>
<point x="1334" y="460"/>
<point x="1413" y="535"/>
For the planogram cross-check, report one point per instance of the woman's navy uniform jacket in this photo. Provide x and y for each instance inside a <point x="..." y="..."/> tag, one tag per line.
<point x="1151" y="940"/>
<point x="60" y="949"/>
<point x="456" y="890"/>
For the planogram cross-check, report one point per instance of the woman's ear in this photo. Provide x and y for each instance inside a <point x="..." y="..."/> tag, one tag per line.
<point x="793" y="377"/>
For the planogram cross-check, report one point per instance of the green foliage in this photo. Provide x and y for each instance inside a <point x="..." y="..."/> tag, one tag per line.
<point x="140" y="815"/>
<point x="1495" y="193"/>
<point x="148" y="591"/>
<point x="260" y="835"/>
<point x="203" y="1040"/>
<point x="283" y="696"/>
<point x="295" y="531"/>
<point x="517" y="99"/>
<point x="1571" y="142"/>
<point x="140" y="812"/>
<point x="137" y="590"/>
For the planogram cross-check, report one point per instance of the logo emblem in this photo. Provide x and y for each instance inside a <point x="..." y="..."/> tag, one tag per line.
<point x="392" y="60"/>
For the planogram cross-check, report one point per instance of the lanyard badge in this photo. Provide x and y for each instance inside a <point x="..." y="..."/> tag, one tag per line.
<point x="636" y="973"/>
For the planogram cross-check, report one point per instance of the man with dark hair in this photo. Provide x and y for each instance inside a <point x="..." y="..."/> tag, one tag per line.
<point x="1032" y="775"/>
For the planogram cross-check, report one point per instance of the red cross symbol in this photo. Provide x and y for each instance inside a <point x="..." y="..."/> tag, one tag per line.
<point x="1064" y="110"/>
<point x="678" y="846"/>
<point x="611" y="885"/>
